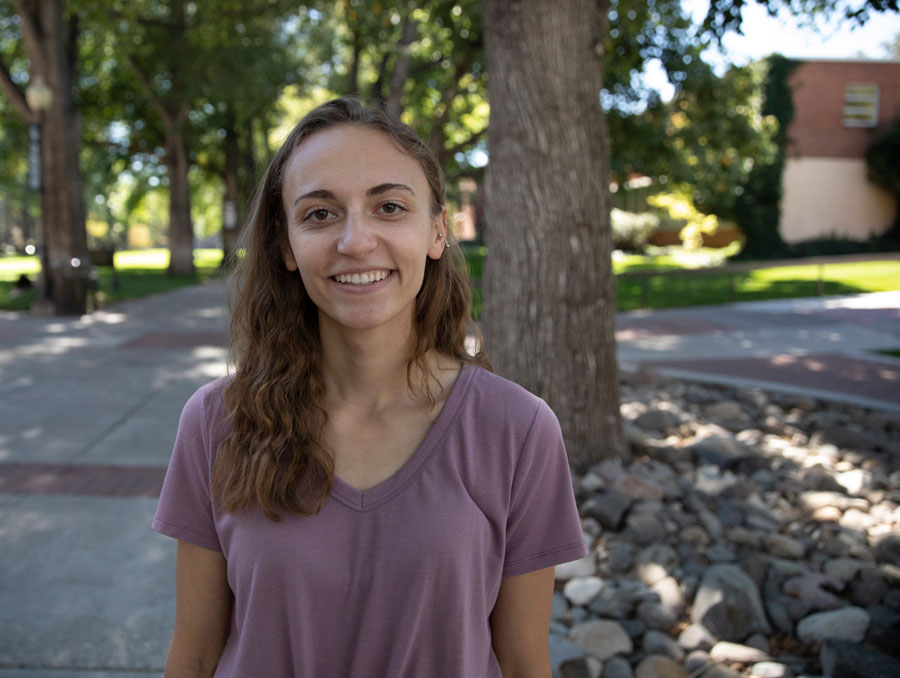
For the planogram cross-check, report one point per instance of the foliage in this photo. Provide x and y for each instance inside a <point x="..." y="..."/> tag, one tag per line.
<point x="708" y="137"/>
<point x="827" y="246"/>
<point x="757" y="209"/>
<point x="892" y="47"/>
<point x="883" y="164"/>
<point x="422" y="60"/>
<point x="725" y="15"/>
<point x="631" y="230"/>
<point x="682" y="209"/>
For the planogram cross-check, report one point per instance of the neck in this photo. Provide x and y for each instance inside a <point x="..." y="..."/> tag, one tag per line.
<point x="366" y="368"/>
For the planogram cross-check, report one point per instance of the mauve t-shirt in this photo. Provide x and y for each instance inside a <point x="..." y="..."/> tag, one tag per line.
<point x="397" y="581"/>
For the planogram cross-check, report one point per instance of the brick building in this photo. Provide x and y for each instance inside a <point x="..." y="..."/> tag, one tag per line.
<point x="839" y="108"/>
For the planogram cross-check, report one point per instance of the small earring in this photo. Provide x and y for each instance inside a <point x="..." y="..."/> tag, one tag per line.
<point x="440" y="235"/>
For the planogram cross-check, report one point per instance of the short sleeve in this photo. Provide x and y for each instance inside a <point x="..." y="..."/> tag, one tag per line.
<point x="185" y="509"/>
<point x="543" y="527"/>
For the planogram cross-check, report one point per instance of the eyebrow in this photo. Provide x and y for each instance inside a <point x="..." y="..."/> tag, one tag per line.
<point x="375" y="190"/>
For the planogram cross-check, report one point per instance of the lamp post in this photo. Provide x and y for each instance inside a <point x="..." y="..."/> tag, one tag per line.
<point x="39" y="97"/>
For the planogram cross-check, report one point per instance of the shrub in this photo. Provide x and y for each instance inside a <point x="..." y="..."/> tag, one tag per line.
<point x="883" y="162"/>
<point x="632" y="230"/>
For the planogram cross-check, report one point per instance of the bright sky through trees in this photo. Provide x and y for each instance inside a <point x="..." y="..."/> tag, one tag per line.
<point x="834" y="38"/>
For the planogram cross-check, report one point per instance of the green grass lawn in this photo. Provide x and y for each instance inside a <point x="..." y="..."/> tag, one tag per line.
<point x="139" y="273"/>
<point x="142" y="272"/>
<point x="773" y="283"/>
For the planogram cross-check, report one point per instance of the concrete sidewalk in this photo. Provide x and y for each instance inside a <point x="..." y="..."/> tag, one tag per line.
<point x="827" y="348"/>
<point x="89" y="411"/>
<point x="88" y="418"/>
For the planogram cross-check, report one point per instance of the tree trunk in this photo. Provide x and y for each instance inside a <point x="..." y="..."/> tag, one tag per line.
<point x="62" y="202"/>
<point x="248" y="168"/>
<point x="549" y="289"/>
<point x="230" y="198"/>
<point x="400" y="72"/>
<point x="353" y="73"/>
<point x="181" y="230"/>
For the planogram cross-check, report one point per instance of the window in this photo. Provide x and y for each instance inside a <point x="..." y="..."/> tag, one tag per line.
<point x="861" y="104"/>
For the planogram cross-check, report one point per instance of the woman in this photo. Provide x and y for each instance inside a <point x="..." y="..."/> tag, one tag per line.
<point x="361" y="497"/>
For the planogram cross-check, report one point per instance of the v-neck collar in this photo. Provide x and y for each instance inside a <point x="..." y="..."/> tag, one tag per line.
<point x="366" y="500"/>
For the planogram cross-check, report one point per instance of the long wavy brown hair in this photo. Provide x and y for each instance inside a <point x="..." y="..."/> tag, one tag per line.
<point x="274" y="455"/>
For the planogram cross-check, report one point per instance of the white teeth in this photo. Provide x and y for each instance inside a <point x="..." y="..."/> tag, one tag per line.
<point x="361" y="278"/>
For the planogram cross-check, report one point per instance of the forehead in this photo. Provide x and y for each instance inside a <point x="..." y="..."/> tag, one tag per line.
<point x="348" y="158"/>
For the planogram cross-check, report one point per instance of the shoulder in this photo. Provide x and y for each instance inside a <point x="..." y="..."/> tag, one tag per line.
<point x="205" y="412"/>
<point x="498" y="402"/>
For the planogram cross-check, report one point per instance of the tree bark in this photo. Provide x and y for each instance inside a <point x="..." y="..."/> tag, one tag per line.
<point x="549" y="289"/>
<point x="230" y="197"/>
<point x="400" y="72"/>
<point x="62" y="201"/>
<point x="353" y="73"/>
<point x="181" y="230"/>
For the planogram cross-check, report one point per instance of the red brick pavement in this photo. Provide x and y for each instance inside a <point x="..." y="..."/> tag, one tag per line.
<point x="95" y="481"/>
<point x="634" y="327"/>
<point x="841" y="374"/>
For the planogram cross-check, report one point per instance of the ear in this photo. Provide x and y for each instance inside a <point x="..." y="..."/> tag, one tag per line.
<point x="287" y="254"/>
<point x="440" y="234"/>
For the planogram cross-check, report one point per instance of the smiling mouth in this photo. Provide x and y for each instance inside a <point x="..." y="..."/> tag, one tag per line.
<point x="360" y="278"/>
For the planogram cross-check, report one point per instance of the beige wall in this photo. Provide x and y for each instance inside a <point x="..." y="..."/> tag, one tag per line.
<point x="831" y="196"/>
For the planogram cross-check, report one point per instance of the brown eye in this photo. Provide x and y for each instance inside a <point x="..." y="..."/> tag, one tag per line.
<point x="391" y="208"/>
<point x="319" y="214"/>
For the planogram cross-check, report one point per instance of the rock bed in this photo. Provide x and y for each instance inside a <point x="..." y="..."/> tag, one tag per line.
<point x="753" y="534"/>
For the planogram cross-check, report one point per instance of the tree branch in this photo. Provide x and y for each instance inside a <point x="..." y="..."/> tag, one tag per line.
<point x="463" y="145"/>
<point x="148" y="87"/>
<point x="32" y="34"/>
<point x="15" y="95"/>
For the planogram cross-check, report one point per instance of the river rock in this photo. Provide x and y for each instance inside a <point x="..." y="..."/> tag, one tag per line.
<point x="849" y="623"/>
<point x="660" y="421"/>
<point x="724" y="651"/>
<point x="614" y="602"/>
<point x="657" y="642"/>
<point x="696" y="637"/>
<point x="656" y="666"/>
<point x="887" y="549"/>
<point x="582" y="590"/>
<point x="842" y="569"/>
<point x="771" y="670"/>
<point x="561" y="650"/>
<point x="607" y="508"/>
<point x="655" y="562"/>
<point x="655" y="616"/>
<point x="846" y="659"/>
<point x="783" y="546"/>
<point x="617" y="667"/>
<point x="728" y="604"/>
<point x="559" y="608"/>
<point x="601" y="638"/>
<point x="718" y="450"/>
<point x="671" y="597"/>
<point x="639" y="488"/>
<point x="574" y="668"/>
<point x="584" y="567"/>
<point x="813" y="589"/>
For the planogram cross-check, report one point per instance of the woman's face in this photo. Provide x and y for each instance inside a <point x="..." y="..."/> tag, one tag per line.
<point x="359" y="227"/>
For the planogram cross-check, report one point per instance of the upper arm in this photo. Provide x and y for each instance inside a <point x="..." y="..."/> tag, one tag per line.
<point x="520" y="624"/>
<point x="203" y="607"/>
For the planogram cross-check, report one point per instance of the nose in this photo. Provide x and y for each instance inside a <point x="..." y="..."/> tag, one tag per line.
<point x="357" y="237"/>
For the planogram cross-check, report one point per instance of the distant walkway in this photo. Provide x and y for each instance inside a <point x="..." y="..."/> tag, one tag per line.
<point x="826" y="347"/>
